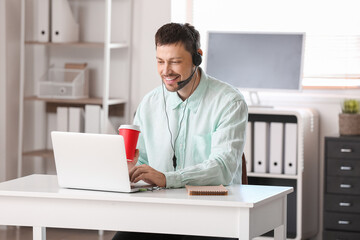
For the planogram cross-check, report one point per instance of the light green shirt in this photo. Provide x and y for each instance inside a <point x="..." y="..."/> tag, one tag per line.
<point x="210" y="140"/>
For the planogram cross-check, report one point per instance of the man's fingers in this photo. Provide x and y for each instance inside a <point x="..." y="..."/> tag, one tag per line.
<point x="137" y="171"/>
<point x="137" y="152"/>
<point x="147" y="174"/>
<point x="144" y="178"/>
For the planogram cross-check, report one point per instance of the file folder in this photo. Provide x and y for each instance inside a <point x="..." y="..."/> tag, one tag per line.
<point x="92" y="119"/>
<point x="248" y="147"/>
<point x="62" y="119"/>
<point x="261" y="147"/>
<point x="76" y="119"/>
<point x="42" y="20"/>
<point x="290" y="148"/>
<point x="276" y="148"/>
<point x="64" y="27"/>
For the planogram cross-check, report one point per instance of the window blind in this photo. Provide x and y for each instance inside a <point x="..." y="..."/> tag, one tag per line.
<point x="332" y="46"/>
<point x="332" y="60"/>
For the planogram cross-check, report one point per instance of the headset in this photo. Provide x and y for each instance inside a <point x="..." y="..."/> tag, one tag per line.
<point x="196" y="60"/>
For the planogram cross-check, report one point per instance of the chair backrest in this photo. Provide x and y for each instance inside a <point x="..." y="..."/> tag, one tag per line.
<point x="244" y="178"/>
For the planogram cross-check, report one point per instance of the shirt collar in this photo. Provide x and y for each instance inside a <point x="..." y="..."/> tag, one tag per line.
<point x="194" y="99"/>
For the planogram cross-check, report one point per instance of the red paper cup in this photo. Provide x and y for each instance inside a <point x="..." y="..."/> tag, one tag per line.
<point x="131" y="135"/>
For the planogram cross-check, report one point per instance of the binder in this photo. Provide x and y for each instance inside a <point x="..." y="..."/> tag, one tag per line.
<point x="110" y="127"/>
<point x="92" y="119"/>
<point x="290" y="148"/>
<point x="62" y="119"/>
<point x="76" y="119"/>
<point x="248" y="147"/>
<point x="64" y="28"/>
<point x="261" y="147"/>
<point x="276" y="148"/>
<point x="42" y="20"/>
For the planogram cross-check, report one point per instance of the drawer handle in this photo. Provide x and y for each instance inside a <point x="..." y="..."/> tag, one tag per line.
<point x="345" y="168"/>
<point x="344" y="204"/>
<point x="346" y="150"/>
<point x="343" y="222"/>
<point x="345" y="185"/>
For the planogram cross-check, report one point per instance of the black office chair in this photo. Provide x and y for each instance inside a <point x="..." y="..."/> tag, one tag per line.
<point x="244" y="178"/>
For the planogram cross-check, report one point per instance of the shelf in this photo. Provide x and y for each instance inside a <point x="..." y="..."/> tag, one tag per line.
<point x="271" y="175"/>
<point x="94" y="101"/>
<point x="46" y="153"/>
<point x="80" y="44"/>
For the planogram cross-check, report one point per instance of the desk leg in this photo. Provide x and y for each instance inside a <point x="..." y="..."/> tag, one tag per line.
<point x="244" y="224"/>
<point x="39" y="233"/>
<point x="280" y="232"/>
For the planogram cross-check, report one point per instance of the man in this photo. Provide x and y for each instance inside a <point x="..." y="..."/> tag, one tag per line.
<point x="194" y="131"/>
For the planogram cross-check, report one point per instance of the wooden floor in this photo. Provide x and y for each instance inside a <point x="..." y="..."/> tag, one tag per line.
<point x="25" y="233"/>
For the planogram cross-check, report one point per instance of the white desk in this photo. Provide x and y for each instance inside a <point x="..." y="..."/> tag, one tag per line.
<point x="248" y="211"/>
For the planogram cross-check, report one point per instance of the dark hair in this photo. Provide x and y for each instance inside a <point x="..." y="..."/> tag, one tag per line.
<point x="175" y="32"/>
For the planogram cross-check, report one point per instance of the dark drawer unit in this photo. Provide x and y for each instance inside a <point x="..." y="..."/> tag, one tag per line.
<point x="338" y="235"/>
<point x="342" y="203"/>
<point x="343" y="149"/>
<point x="343" y="168"/>
<point x="342" y="188"/>
<point x="343" y="185"/>
<point x="342" y="221"/>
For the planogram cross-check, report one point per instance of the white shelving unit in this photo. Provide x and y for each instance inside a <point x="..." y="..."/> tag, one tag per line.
<point x="105" y="44"/>
<point x="304" y="201"/>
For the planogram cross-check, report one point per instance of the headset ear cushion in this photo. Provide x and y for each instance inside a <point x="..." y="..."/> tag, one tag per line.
<point x="197" y="59"/>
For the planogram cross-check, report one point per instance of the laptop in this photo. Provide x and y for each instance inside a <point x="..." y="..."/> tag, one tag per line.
<point x="92" y="162"/>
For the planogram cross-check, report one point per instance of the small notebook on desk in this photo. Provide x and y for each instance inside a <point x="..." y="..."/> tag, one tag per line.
<point x="206" y="190"/>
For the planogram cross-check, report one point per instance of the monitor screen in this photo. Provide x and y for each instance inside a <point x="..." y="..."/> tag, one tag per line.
<point x="256" y="61"/>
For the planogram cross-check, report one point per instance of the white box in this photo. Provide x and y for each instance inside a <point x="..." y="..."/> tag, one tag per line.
<point x="64" y="83"/>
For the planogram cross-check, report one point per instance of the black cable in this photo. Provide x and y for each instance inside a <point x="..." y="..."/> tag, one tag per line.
<point x="182" y="118"/>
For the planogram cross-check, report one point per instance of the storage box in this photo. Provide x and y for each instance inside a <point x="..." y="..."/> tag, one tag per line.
<point x="64" y="83"/>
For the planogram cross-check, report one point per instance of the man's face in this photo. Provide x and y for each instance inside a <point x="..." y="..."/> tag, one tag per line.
<point x="174" y="64"/>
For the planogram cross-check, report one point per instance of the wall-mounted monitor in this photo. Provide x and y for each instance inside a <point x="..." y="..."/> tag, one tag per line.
<point x="256" y="61"/>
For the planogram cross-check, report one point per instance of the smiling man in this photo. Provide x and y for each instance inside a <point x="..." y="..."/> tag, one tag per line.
<point x="192" y="126"/>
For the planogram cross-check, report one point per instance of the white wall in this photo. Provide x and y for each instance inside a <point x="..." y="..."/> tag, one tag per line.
<point x="2" y="90"/>
<point x="148" y="17"/>
<point x="9" y="83"/>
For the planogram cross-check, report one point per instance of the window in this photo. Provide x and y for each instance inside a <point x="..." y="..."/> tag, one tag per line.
<point x="332" y="48"/>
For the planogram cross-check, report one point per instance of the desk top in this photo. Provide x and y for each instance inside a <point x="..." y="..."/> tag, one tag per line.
<point x="46" y="186"/>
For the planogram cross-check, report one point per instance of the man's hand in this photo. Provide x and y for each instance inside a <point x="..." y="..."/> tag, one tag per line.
<point x="148" y="175"/>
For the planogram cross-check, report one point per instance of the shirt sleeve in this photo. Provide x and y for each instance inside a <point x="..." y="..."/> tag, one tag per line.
<point x="227" y="144"/>
<point x="141" y="143"/>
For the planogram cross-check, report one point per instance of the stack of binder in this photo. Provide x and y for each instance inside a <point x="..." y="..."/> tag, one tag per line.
<point x="54" y="21"/>
<point x="70" y="119"/>
<point x="77" y="119"/>
<point x="273" y="146"/>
